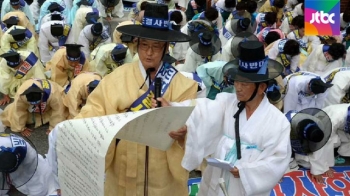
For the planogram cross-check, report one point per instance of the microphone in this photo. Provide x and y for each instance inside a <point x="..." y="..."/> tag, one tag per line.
<point x="223" y="186"/>
<point x="158" y="90"/>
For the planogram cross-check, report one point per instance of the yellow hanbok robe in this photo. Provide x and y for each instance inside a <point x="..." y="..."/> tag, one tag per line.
<point x="101" y="60"/>
<point x="17" y="115"/>
<point x="267" y="7"/>
<point x="78" y="92"/>
<point x="125" y="165"/>
<point x="8" y="79"/>
<point x="30" y="45"/>
<point x="116" y="38"/>
<point x="22" y="21"/>
<point x="61" y="71"/>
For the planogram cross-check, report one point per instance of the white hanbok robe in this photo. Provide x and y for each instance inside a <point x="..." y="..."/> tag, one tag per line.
<point x="35" y="9"/>
<point x="264" y="138"/>
<point x="256" y="27"/>
<point x="296" y="95"/>
<point x="46" y="38"/>
<point x="313" y="40"/>
<point x="343" y="24"/>
<point x="285" y="24"/>
<point x="6" y="7"/>
<point x="226" y="54"/>
<point x="40" y="183"/>
<point x="317" y="63"/>
<point x="290" y="4"/>
<point x="341" y="85"/>
<point x="224" y="37"/>
<point x="44" y="10"/>
<point x="118" y="10"/>
<point x="194" y="60"/>
<point x="201" y="93"/>
<point x="47" y="18"/>
<point x="86" y="38"/>
<point x="75" y="8"/>
<point x="338" y="114"/>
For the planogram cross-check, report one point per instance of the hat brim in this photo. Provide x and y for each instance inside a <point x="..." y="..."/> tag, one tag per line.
<point x="203" y="50"/>
<point x="169" y="59"/>
<point x="237" y="29"/>
<point x="26" y="169"/>
<point x="153" y="34"/>
<point x="232" y="71"/>
<point x="32" y="90"/>
<point x="323" y="122"/>
<point x="238" y="39"/>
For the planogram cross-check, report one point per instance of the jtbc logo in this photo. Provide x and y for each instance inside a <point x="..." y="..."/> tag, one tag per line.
<point x="316" y="17"/>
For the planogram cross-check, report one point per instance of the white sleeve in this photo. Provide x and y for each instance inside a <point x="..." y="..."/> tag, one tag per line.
<point x="190" y="64"/>
<point x="294" y="64"/>
<point x="318" y="159"/>
<point x="43" y="47"/>
<point x="311" y="61"/>
<point x="291" y="97"/>
<point x="273" y="52"/>
<point x="119" y="10"/>
<point x="52" y="156"/>
<point x="85" y="42"/>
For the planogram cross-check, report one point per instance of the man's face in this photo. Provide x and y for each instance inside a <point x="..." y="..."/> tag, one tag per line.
<point x="302" y="32"/>
<point x="73" y="63"/>
<point x="150" y="52"/>
<point x="244" y="90"/>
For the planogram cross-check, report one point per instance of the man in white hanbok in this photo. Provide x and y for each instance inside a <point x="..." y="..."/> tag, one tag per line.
<point x="287" y="25"/>
<point x="304" y="90"/>
<point x="233" y="27"/>
<point x="22" y="167"/>
<point x="339" y="93"/>
<point x="93" y="36"/>
<point x="311" y="140"/>
<point x="245" y="121"/>
<point x="324" y="58"/>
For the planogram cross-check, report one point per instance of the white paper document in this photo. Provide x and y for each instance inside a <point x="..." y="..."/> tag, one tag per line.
<point x="82" y="144"/>
<point x="219" y="163"/>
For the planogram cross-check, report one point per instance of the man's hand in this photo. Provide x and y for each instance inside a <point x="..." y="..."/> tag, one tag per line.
<point x="317" y="178"/>
<point x="27" y="132"/>
<point x="5" y="100"/>
<point x="162" y="100"/>
<point x="330" y="173"/>
<point x="235" y="172"/>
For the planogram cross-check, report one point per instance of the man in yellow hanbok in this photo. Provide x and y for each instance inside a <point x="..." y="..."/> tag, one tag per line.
<point x="123" y="90"/>
<point x="15" y="69"/>
<point x="66" y="64"/>
<point x="79" y="91"/>
<point x="36" y="102"/>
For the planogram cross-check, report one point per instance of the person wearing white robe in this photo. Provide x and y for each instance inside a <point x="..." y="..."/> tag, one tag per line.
<point x="286" y="25"/>
<point x="324" y="58"/>
<point x="33" y="172"/>
<point x="304" y="90"/>
<point x="92" y="38"/>
<point x="9" y="6"/>
<point x="116" y="10"/>
<point x="304" y="40"/>
<point x="233" y="27"/>
<point x="320" y="161"/>
<point x="264" y="20"/>
<point x="345" y="19"/>
<point x="54" y="16"/>
<point x="44" y="10"/>
<point x="340" y="78"/>
<point x="49" y="42"/>
<point x="202" y="90"/>
<point x="264" y="135"/>
<point x="35" y="9"/>
<point x="290" y="5"/>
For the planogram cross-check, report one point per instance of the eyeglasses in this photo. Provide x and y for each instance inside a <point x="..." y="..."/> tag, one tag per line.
<point x="155" y="48"/>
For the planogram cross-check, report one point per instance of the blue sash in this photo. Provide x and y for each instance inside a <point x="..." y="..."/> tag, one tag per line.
<point x="226" y="33"/>
<point x="167" y="73"/>
<point x="62" y="40"/>
<point x="103" y="37"/>
<point x="272" y="2"/>
<point x="347" y="122"/>
<point x="284" y="59"/>
<point x="262" y="24"/>
<point x="329" y="78"/>
<point x="22" y="3"/>
<point x="3" y="27"/>
<point x="47" y="91"/>
<point x="265" y="32"/>
<point x="27" y="64"/>
<point x="302" y="44"/>
<point x="17" y="45"/>
<point x="236" y="16"/>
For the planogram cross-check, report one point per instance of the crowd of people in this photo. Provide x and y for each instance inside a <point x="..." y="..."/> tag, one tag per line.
<point x="268" y="98"/>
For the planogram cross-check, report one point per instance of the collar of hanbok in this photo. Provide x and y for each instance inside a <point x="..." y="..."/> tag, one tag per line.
<point x="143" y="71"/>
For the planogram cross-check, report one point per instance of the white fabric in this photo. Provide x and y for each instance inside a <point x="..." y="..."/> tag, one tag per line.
<point x="117" y="11"/>
<point x="2" y="127"/>
<point x="317" y="63"/>
<point x="221" y="4"/>
<point x="343" y="24"/>
<point x="202" y="93"/>
<point x="274" y="55"/>
<point x="295" y="98"/>
<point x="34" y="8"/>
<point x="290" y="4"/>
<point x="347" y="58"/>
<point x="47" y="18"/>
<point x="285" y="28"/>
<point x="80" y="22"/>
<point x="255" y="28"/>
<point x="86" y="37"/>
<point x="226" y="54"/>
<point x="260" y="168"/>
<point x="193" y="60"/>
<point x="183" y="3"/>
<point x="41" y="180"/>
<point x="45" y="37"/>
<point x="313" y="40"/>
<point x="341" y="84"/>
<point x="223" y="39"/>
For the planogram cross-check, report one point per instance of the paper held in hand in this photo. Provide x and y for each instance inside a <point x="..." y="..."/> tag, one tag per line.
<point x="82" y="144"/>
<point x="220" y="163"/>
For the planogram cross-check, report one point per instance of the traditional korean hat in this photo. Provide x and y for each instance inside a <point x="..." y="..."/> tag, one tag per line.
<point x="92" y="17"/>
<point x="252" y="65"/>
<point x="155" y="26"/>
<point x="73" y="51"/>
<point x="18" y="34"/>
<point x="55" y="7"/>
<point x="85" y="2"/>
<point x="33" y="94"/>
<point x="56" y="29"/>
<point x="56" y="16"/>
<point x="14" y="2"/>
<point x="311" y="129"/>
<point x="318" y="86"/>
<point x="13" y="58"/>
<point x="96" y="29"/>
<point x="205" y="43"/>
<point x="13" y="20"/>
<point x="109" y="3"/>
<point x="243" y="36"/>
<point x="169" y="59"/>
<point x="241" y="25"/>
<point x="18" y="160"/>
<point x="118" y="53"/>
<point x="92" y="85"/>
<point x="273" y="92"/>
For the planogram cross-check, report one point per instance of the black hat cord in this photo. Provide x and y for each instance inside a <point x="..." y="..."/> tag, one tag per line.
<point x="241" y="105"/>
